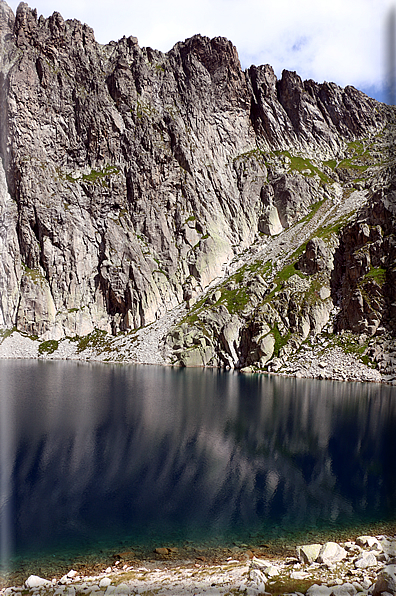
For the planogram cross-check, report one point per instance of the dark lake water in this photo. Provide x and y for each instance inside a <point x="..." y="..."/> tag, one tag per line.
<point x="99" y="457"/>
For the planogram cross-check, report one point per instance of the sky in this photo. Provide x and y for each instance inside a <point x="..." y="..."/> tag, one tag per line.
<point x="343" y="41"/>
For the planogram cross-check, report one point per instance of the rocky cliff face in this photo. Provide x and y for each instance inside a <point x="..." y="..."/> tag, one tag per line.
<point x="133" y="181"/>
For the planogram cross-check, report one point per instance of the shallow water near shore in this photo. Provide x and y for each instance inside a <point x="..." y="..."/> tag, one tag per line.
<point x="99" y="462"/>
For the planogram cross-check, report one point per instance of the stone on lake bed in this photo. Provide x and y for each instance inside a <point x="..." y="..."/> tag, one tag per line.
<point x="34" y="581"/>
<point x="308" y="553"/>
<point x="162" y="551"/>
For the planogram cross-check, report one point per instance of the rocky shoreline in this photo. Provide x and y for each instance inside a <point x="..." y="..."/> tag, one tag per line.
<point x="365" y="566"/>
<point x="320" y="360"/>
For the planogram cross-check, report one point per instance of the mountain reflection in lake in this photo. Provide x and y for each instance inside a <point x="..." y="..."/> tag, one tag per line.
<point x="93" y="453"/>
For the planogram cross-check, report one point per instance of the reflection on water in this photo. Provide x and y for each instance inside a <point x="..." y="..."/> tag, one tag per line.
<point x="92" y="453"/>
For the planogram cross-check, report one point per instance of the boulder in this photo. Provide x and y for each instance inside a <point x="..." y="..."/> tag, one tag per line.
<point x="34" y="581"/>
<point x="161" y="551"/>
<point x="386" y="581"/>
<point x="123" y="589"/>
<point x="344" y="590"/>
<point x="265" y="566"/>
<point x="316" y="590"/>
<point x="258" y="579"/>
<point x="330" y="553"/>
<point x="316" y="257"/>
<point x="367" y="559"/>
<point x="369" y="542"/>
<point x="308" y="553"/>
<point x="104" y="582"/>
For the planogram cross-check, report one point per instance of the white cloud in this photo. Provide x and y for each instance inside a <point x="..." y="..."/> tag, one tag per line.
<point x="337" y="40"/>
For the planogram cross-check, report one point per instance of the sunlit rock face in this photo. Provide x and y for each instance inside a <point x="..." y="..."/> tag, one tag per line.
<point x="130" y="179"/>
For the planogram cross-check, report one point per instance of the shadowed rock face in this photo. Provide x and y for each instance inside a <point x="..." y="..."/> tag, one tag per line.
<point x="130" y="179"/>
<point x="364" y="275"/>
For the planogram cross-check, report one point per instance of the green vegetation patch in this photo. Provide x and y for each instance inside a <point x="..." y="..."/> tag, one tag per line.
<point x="288" y="585"/>
<point x="282" y="277"/>
<point x="349" y="343"/>
<point x="35" y="274"/>
<point x="4" y="333"/>
<point x="235" y="300"/>
<point x="96" y="175"/>
<point x="303" y="165"/>
<point x="95" y="339"/>
<point x="93" y="176"/>
<point x="330" y="163"/>
<point x="280" y="340"/>
<point x="48" y="347"/>
<point x="377" y="274"/>
<point x="325" y="232"/>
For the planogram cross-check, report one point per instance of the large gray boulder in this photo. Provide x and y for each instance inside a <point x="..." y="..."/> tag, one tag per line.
<point x="330" y="553"/>
<point x="308" y="553"/>
<point x="386" y="581"/>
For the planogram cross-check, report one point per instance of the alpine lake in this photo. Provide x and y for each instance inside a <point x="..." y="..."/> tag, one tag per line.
<point x="101" y="463"/>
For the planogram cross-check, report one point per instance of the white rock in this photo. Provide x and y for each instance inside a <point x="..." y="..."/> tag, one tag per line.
<point x="110" y="590"/>
<point x="366" y="560"/>
<point x="366" y="583"/>
<point x="252" y="591"/>
<point x="271" y="570"/>
<point x="344" y="590"/>
<point x="370" y="542"/>
<point x="123" y="589"/>
<point x="331" y="552"/>
<point x="389" y="547"/>
<point x="104" y="582"/>
<point x="258" y="563"/>
<point x="308" y="553"/>
<point x="34" y="581"/>
<point x="257" y="576"/>
<point x="317" y="590"/>
<point x="72" y="573"/>
<point x="299" y="575"/>
<point x="264" y="566"/>
<point x="108" y="570"/>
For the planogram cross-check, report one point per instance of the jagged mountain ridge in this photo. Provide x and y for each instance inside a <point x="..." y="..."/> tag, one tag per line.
<point x="132" y="179"/>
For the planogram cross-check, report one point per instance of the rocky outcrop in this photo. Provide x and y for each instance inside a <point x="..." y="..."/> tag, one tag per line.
<point x="365" y="265"/>
<point x="132" y="182"/>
